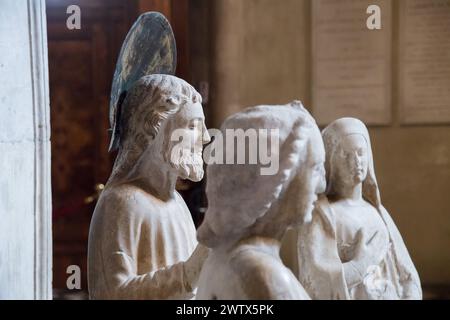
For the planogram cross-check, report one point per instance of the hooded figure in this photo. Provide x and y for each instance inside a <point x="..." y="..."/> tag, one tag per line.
<point x="249" y="208"/>
<point x="352" y="249"/>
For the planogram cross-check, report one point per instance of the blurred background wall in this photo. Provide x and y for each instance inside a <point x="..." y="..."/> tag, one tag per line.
<point x="237" y="54"/>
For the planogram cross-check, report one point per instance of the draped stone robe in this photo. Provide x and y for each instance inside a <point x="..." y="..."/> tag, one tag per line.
<point x="321" y="269"/>
<point x="248" y="273"/>
<point x="137" y="246"/>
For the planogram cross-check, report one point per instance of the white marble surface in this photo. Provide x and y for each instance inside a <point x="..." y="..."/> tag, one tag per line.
<point x="142" y="240"/>
<point x="352" y="248"/>
<point x="248" y="212"/>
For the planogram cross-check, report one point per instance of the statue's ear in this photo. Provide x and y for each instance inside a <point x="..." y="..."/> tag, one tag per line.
<point x="117" y="128"/>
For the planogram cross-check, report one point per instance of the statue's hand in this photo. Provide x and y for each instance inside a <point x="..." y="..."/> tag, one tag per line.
<point x="360" y="251"/>
<point x="366" y="252"/>
<point x="193" y="265"/>
<point x="355" y="269"/>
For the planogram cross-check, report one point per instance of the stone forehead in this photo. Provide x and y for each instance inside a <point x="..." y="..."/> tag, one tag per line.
<point x="155" y="91"/>
<point x="340" y="128"/>
<point x="345" y="126"/>
<point x="162" y="83"/>
<point x="282" y="117"/>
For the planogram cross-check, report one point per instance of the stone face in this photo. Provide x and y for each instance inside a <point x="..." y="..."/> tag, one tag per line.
<point x="248" y="212"/>
<point x="142" y="240"/>
<point x="352" y="248"/>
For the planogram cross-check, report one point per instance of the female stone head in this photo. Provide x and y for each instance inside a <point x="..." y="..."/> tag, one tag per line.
<point x="349" y="160"/>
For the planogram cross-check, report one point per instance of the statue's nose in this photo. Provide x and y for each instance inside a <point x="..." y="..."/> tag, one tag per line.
<point x="206" y="136"/>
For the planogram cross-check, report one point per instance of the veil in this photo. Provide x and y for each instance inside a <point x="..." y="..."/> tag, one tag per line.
<point x="320" y="269"/>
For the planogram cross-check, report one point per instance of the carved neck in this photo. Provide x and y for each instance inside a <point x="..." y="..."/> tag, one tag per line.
<point x="273" y="224"/>
<point x="351" y="193"/>
<point x="152" y="173"/>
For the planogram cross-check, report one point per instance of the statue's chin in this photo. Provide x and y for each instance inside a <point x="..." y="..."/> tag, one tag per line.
<point x="189" y="166"/>
<point x="305" y="214"/>
<point x="308" y="216"/>
<point x="191" y="172"/>
<point x="359" y="177"/>
<point x="196" y="174"/>
<point x="196" y="178"/>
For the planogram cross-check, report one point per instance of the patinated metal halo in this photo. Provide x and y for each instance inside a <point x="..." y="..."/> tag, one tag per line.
<point x="149" y="48"/>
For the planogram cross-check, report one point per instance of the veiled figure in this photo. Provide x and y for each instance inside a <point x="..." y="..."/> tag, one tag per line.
<point x="352" y="249"/>
<point x="249" y="211"/>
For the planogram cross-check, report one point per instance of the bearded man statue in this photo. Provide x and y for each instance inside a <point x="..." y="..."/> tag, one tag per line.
<point x="142" y="240"/>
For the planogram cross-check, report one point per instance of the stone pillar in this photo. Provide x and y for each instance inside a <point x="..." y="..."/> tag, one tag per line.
<point x="25" y="193"/>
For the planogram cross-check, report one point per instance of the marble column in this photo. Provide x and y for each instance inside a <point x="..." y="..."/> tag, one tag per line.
<point x="25" y="193"/>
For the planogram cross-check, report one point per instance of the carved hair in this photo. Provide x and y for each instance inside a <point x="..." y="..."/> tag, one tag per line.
<point x="332" y="135"/>
<point x="230" y="216"/>
<point x="145" y="107"/>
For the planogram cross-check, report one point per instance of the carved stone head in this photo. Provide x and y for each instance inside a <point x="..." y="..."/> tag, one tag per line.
<point x="242" y="201"/>
<point x="349" y="159"/>
<point x="161" y="117"/>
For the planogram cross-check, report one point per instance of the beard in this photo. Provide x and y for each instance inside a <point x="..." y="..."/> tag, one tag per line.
<point x="189" y="165"/>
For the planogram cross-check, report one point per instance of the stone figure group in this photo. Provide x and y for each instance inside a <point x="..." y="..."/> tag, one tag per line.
<point x="322" y="206"/>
